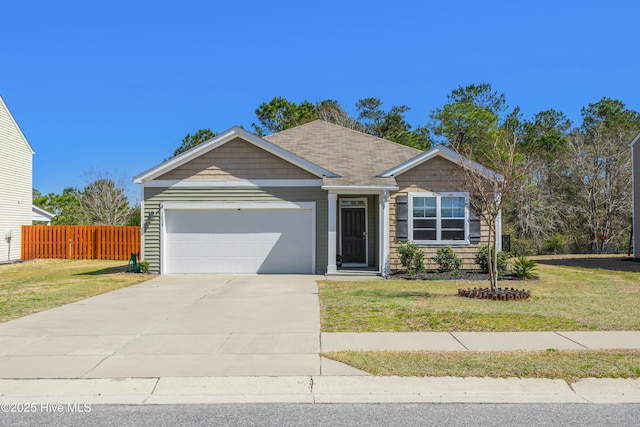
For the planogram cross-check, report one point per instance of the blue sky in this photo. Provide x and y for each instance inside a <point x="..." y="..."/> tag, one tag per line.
<point x="112" y="87"/>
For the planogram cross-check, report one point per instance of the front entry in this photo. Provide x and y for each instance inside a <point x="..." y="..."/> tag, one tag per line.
<point x="353" y="235"/>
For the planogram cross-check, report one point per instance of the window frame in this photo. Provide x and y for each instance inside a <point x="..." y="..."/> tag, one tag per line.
<point x="438" y="197"/>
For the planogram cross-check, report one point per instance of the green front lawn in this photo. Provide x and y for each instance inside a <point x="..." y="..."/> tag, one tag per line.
<point x="564" y="298"/>
<point x="33" y="286"/>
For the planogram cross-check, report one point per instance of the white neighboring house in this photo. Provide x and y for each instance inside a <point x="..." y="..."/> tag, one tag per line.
<point x="15" y="185"/>
<point x="40" y="215"/>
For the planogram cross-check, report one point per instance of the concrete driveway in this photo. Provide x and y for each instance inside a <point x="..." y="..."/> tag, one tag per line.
<point x="171" y="326"/>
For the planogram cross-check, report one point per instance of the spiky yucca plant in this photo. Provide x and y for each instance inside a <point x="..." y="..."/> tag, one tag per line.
<point x="524" y="268"/>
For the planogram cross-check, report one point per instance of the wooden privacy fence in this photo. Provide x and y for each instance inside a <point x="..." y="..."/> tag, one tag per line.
<point x="80" y="241"/>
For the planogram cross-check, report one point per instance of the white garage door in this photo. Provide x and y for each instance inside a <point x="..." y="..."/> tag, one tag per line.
<point x="239" y="240"/>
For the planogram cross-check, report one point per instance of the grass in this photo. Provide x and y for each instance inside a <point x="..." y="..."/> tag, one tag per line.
<point x="569" y="365"/>
<point x="565" y="298"/>
<point x="34" y="286"/>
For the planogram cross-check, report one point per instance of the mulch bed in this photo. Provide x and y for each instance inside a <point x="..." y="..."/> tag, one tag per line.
<point x="497" y="295"/>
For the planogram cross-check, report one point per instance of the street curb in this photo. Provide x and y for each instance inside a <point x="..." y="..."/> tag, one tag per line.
<point x="318" y="390"/>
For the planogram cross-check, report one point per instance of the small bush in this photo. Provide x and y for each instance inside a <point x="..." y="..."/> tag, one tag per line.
<point x="482" y="261"/>
<point x="448" y="260"/>
<point x="524" y="268"/>
<point x="522" y="246"/>
<point x="556" y="244"/>
<point x="144" y="266"/>
<point x="411" y="257"/>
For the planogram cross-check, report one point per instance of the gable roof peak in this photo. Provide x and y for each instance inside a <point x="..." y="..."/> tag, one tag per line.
<point x="24" y="138"/>
<point x="222" y="139"/>
<point x="447" y="153"/>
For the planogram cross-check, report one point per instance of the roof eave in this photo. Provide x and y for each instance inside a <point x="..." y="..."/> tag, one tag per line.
<point x="361" y="187"/>
<point x="42" y="212"/>
<point x="221" y="139"/>
<point x="447" y="154"/>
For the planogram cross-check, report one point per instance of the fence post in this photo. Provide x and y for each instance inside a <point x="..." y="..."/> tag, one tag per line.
<point x="24" y="234"/>
<point x="68" y="238"/>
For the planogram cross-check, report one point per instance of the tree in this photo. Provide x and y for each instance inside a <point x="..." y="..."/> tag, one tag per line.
<point x="470" y="114"/>
<point x="419" y="138"/>
<point x="134" y="216"/>
<point x="104" y="202"/>
<point x="498" y="152"/>
<point x="37" y="198"/>
<point x="534" y="214"/>
<point x="280" y="114"/>
<point x="330" y="111"/>
<point x="474" y="124"/>
<point x="66" y="206"/>
<point x="546" y="134"/>
<point x="190" y="141"/>
<point x="391" y="125"/>
<point x="598" y="195"/>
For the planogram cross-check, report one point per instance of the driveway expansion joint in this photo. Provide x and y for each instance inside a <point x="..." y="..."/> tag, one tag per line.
<point x="456" y="338"/>
<point x="572" y="340"/>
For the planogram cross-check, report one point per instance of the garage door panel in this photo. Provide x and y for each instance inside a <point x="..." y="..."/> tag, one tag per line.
<point x="239" y="241"/>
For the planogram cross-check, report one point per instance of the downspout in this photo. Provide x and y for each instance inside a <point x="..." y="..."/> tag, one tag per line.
<point x="385" y="244"/>
<point x="163" y="240"/>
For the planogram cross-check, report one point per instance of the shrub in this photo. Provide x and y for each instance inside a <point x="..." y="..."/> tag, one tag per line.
<point x="522" y="246"/>
<point x="556" y="244"/>
<point x="144" y="266"/>
<point x="482" y="261"/>
<point x="524" y="268"/>
<point x="448" y="260"/>
<point x="411" y="257"/>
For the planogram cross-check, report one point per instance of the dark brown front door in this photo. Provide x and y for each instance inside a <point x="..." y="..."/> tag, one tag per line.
<point x="354" y="241"/>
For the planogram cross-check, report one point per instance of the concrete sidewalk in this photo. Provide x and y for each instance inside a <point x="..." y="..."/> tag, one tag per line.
<point x="479" y="341"/>
<point x="339" y="383"/>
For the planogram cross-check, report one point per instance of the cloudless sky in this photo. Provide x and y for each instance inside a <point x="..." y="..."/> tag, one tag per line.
<point x="111" y="87"/>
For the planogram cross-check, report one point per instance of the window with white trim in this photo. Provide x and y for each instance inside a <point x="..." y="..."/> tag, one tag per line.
<point x="438" y="218"/>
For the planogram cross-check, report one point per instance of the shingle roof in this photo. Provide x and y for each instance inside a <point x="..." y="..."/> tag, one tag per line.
<point x="357" y="158"/>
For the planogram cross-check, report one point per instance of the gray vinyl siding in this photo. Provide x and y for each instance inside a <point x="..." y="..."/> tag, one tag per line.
<point x="154" y="196"/>
<point x="439" y="175"/>
<point x="15" y="185"/>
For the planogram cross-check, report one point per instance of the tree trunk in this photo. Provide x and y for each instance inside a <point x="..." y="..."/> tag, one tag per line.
<point x="492" y="258"/>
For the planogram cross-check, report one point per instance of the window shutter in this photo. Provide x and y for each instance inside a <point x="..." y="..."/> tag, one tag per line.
<point x="402" y="218"/>
<point x="474" y="225"/>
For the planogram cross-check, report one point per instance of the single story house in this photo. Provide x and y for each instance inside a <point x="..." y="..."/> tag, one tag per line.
<point x="317" y="198"/>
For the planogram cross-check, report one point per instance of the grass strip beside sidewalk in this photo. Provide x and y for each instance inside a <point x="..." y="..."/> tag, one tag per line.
<point x="569" y="365"/>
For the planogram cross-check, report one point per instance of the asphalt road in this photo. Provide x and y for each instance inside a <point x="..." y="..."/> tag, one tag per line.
<point x="302" y="415"/>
